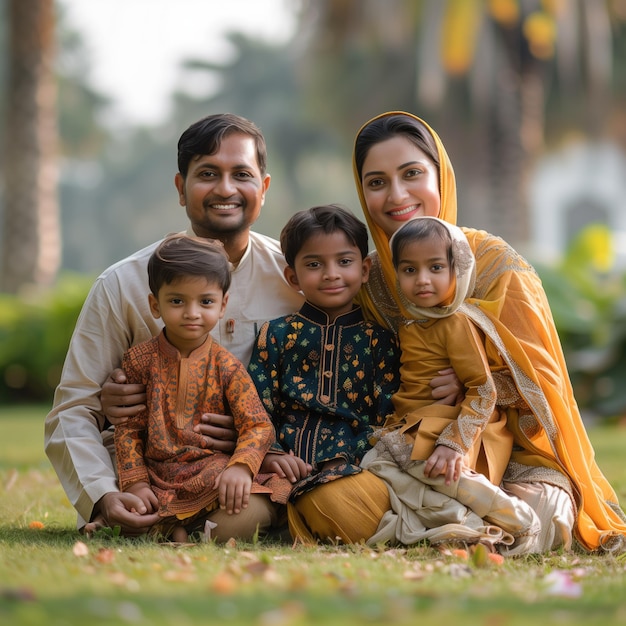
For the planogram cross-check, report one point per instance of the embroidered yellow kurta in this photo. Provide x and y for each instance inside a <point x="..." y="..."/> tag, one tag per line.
<point x="475" y="427"/>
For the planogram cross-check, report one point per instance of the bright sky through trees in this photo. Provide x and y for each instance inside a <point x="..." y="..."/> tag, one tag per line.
<point x="136" y="46"/>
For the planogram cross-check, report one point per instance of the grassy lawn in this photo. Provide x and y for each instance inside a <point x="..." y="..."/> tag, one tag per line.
<point x="49" y="575"/>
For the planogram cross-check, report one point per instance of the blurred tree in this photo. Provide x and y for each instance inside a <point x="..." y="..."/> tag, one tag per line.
<point x="260" y="81"/>
<point x="481" y="71"/>
<point x="357" y="59"/>
<point x="513" y="59"/>
<point x="31" y="246"/>
<point x="81" y="108"/>
<point x="80" y="141"/>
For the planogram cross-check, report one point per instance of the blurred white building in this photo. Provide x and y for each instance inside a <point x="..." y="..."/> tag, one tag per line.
<point x="580" y="185"/>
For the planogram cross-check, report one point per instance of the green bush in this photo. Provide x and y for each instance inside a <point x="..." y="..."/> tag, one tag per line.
<point x="35" y="330"/>
<point x="587" y="295"/>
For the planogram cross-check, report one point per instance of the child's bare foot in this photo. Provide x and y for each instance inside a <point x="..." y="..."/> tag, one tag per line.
<point x="91" y="527"/>
<point x="179" y="535"/>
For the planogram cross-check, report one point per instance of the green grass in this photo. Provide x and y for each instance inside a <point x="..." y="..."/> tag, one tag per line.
<point x="45" y="580"/>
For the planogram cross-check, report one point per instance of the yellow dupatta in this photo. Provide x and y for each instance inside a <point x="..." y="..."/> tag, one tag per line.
<point x="509" y="296"/>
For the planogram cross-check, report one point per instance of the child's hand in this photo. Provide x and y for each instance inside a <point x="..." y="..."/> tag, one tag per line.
<point x="143" y="491"/>
<point x="288" y="466"/>
<point x="233" y="485"/>
<point x="444" y="461"/>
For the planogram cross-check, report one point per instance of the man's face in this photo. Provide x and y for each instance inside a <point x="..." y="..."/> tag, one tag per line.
<point x="224" y="192"/>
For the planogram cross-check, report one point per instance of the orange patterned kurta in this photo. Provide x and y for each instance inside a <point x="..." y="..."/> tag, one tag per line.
<point x="160" y="447"/>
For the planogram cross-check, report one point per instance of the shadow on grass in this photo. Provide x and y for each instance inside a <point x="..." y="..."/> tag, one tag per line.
<point x="57" y="537"/>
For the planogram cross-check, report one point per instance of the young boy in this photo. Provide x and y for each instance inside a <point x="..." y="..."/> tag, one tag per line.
<point x="160" y="457"/>
<point x="325" y="376"/>
<point x="455" y="450"/>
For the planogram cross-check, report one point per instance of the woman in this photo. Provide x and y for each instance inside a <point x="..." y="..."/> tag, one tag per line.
<point x="401" y="171"/>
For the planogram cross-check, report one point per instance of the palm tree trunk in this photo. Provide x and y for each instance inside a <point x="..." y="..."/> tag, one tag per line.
<point x="31" y="233"/>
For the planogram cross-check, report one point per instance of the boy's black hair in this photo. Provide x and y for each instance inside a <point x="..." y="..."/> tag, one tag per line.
<point x="328" y="219"/>
<point x="179" y="256"/>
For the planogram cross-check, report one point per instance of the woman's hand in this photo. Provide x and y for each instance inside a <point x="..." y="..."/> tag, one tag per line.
<point x="447" y="388"/>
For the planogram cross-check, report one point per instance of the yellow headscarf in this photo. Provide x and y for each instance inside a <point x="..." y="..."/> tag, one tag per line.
<point x="447" y="190"/>
<point x="509" y="297"/>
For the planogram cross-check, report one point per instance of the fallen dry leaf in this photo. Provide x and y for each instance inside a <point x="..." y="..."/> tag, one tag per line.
<point x="298" y="580"/>
<point x="257" y="568"/>
<point x="224" y="583"/>
<point x="105" y="555"/>
<point x="181" y="576"/>
<point x="413" y="574"/>
<point x="118" y="578"/>
<point x="80" y="549"/>
<point x="271" y="577"/>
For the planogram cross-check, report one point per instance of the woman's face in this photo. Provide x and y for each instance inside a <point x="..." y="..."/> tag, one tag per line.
<point x="399" y="182"/>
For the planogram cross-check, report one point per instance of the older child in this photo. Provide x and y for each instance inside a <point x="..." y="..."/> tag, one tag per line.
<point x="325" y="376"/>
<point x="439" y="445"/>
<point x="160" y="457"/>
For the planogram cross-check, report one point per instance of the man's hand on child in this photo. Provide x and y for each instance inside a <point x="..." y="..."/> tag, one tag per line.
<point x="218" y="430"/>
<point x="120" y="400"/>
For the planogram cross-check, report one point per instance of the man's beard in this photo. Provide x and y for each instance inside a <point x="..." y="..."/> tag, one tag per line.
<point x="227" y="226"/>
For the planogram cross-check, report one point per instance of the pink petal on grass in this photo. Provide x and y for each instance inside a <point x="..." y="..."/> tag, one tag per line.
<point x="561" y="583"/>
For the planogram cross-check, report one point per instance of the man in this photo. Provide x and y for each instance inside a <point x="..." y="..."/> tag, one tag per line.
<point x="221" y="182"/>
